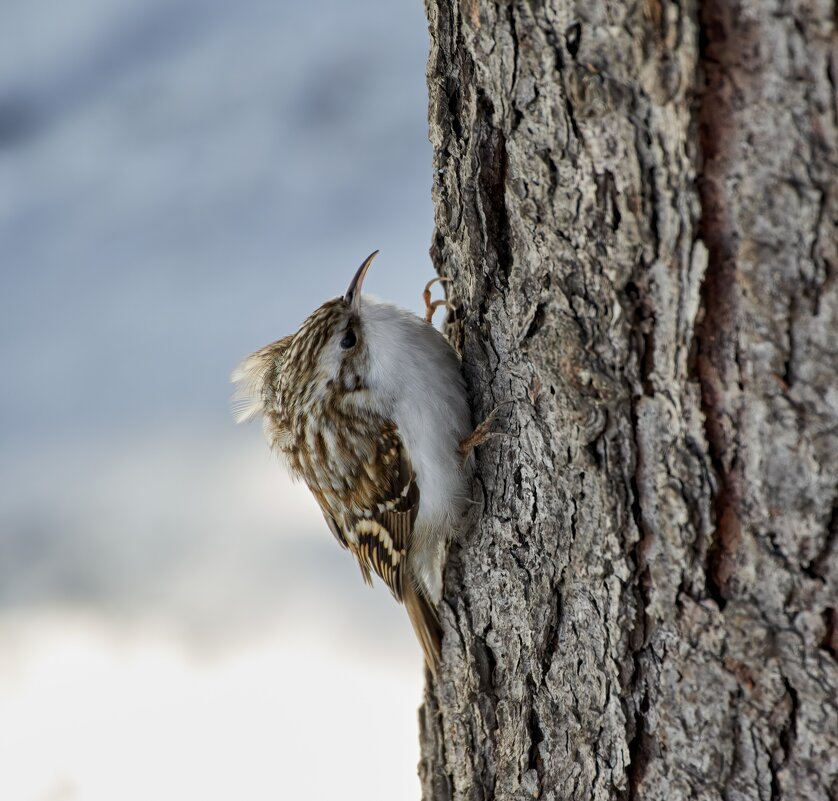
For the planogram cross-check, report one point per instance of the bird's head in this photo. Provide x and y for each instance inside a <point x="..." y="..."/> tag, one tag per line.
<point x="326" y="358"/>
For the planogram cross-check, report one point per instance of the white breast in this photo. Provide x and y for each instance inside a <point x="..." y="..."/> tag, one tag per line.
<point x="415" y="375"/>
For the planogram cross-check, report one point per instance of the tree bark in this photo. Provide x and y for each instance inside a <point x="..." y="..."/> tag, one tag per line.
<point x="636" y="204"/>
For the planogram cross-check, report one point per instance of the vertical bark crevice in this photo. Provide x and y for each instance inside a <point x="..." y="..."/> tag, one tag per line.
<point x="718" y="364"/>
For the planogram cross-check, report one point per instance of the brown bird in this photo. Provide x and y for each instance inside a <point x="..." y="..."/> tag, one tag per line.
<point x="367" y="404"/>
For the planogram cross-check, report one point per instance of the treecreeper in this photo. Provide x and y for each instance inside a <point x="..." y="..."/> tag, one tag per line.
<point x="367" y="404"/>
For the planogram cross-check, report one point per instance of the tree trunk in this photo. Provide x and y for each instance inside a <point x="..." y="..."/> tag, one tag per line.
<point x="637" y="206"/>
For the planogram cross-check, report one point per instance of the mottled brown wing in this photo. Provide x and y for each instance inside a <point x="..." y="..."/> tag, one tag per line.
<point x="384" y="502"/>
<point x="374" y="516"/>
<point x="383" y="529"/>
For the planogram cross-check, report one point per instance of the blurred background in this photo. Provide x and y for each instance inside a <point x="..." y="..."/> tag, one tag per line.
<point x="181" y="183"/>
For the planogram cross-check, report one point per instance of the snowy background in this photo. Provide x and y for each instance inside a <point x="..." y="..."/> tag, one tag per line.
<point x="181" y="183"/>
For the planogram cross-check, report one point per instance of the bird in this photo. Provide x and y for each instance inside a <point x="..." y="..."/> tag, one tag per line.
<point x="367" y="404"/>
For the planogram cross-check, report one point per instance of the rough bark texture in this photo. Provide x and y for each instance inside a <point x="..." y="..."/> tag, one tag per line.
<point x="637" y="205"/>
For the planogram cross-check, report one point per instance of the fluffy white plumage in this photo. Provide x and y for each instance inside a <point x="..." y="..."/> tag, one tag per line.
<point x="415" y="380"/>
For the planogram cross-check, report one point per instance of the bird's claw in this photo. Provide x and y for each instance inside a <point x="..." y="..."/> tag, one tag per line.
<point x="432" y="306"/>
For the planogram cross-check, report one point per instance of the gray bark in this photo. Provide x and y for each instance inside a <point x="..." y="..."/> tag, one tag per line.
<point x="637" y="206"/>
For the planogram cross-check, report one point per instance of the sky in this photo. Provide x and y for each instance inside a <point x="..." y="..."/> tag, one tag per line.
<point x="179" y="185"/>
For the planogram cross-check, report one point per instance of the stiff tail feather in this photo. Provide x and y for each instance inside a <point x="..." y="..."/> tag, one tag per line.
<point x="425" y="623"/>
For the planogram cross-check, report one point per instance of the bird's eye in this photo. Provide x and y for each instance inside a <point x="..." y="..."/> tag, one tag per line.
<point x="348" y="340"/>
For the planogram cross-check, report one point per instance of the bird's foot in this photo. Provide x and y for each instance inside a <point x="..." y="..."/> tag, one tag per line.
<point x="432" y="306"/>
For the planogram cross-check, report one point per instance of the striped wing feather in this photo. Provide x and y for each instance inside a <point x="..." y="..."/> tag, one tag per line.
<point x="382" y="535"/>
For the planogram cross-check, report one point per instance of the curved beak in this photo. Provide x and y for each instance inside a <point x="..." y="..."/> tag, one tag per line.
<point x="353" y="294"/>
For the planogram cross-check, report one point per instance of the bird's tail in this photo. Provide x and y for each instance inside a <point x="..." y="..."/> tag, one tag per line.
<point x="425" y="623"/>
